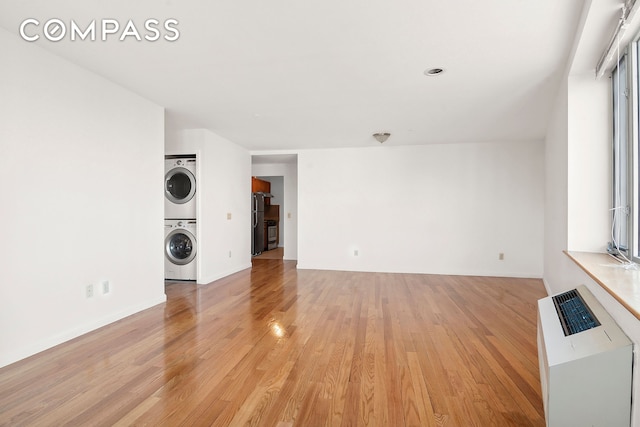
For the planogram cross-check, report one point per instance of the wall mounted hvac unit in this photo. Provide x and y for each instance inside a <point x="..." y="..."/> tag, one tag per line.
<point x="585" y="362"/>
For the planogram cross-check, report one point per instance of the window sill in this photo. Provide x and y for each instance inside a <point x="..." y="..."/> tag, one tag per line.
<point x="623" y="284"/>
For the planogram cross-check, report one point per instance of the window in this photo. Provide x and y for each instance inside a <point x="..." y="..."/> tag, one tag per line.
<point x="620" y="201"/>
<point x="625" y="208"/>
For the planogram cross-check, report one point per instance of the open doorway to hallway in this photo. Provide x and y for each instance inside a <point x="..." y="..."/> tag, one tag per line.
<point x="274" y="215"/>
<point x="278" y="173"/>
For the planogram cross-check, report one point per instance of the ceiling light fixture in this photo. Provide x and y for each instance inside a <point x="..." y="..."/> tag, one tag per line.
<point x="433" y="72"/>
<point x="381" y="137"/>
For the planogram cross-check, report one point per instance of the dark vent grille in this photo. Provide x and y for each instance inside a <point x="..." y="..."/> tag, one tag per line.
<point x="574" y="314"/>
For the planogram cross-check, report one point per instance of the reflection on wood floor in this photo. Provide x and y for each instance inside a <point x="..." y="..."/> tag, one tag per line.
<point x="277" y="346"/>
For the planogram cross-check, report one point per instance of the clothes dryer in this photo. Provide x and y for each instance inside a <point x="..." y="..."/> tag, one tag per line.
<point x="180" y="248"/>
<point x="180" y="187"/>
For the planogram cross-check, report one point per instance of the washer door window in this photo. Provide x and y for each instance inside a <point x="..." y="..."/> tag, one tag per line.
<point x="180" y="247"/>
<point x="179" y="185"/>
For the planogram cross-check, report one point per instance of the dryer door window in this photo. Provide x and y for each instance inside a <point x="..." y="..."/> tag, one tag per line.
<point x="179" y="185"/>
<point x="180" y="247"/>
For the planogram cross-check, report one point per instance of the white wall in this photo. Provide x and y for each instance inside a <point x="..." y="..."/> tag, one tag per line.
<point x="81" y="165"/>
<point x="223" y="186"/>
<point x="578" y="178"/>
<point x="589" y="154"/>
<point x="289" y="206"/>
<point x="560" y="273"/>
<point x="442" y="209"/>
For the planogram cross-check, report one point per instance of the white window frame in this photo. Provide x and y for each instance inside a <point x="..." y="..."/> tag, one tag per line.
<point x="625" y="199"/>
<point x="620" y="202"/>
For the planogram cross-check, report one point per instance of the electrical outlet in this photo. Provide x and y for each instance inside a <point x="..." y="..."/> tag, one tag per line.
<point x="501" y="256"/>
<point x="228" y="215"/>
<point x="106" y="287"/>
<point x="355" y="252"/>
<point x="89" y="291"/>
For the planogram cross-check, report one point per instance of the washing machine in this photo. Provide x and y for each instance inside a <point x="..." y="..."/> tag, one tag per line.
<point x="180" y="248"/>
<point x="180" y="187"/>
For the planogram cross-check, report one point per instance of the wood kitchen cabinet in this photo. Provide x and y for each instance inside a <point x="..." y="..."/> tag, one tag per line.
<point x="266" y="237"/>
<point x="272" y="212"/>
<point x="260" y="185"/>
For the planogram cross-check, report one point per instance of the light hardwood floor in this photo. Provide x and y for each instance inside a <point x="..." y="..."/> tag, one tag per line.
<point x="273" y="346"/>
<point x="276" y="253"/>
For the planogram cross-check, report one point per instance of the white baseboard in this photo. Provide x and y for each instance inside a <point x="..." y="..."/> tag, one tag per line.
<point x="207" y="280"/>
<point x="19" y="354"/>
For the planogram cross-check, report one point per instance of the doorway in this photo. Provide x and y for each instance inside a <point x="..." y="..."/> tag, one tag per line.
<point x="281" y="171"/>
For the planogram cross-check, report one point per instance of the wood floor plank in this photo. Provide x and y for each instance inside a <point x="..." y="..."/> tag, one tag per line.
<point x="277" y="346"/>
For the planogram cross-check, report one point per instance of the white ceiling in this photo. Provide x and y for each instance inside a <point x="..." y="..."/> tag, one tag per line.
<point x="289" y="74"/>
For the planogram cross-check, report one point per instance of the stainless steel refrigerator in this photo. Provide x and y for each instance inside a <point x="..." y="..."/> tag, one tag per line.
<point x="257" y="222"/>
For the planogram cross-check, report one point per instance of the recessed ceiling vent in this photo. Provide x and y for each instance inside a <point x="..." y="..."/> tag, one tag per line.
<point x="573" y="313"/>
<point x="433" y="72"/>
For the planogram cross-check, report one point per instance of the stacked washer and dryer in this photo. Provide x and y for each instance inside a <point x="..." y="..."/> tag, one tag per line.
<point x="180" y="225"/>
